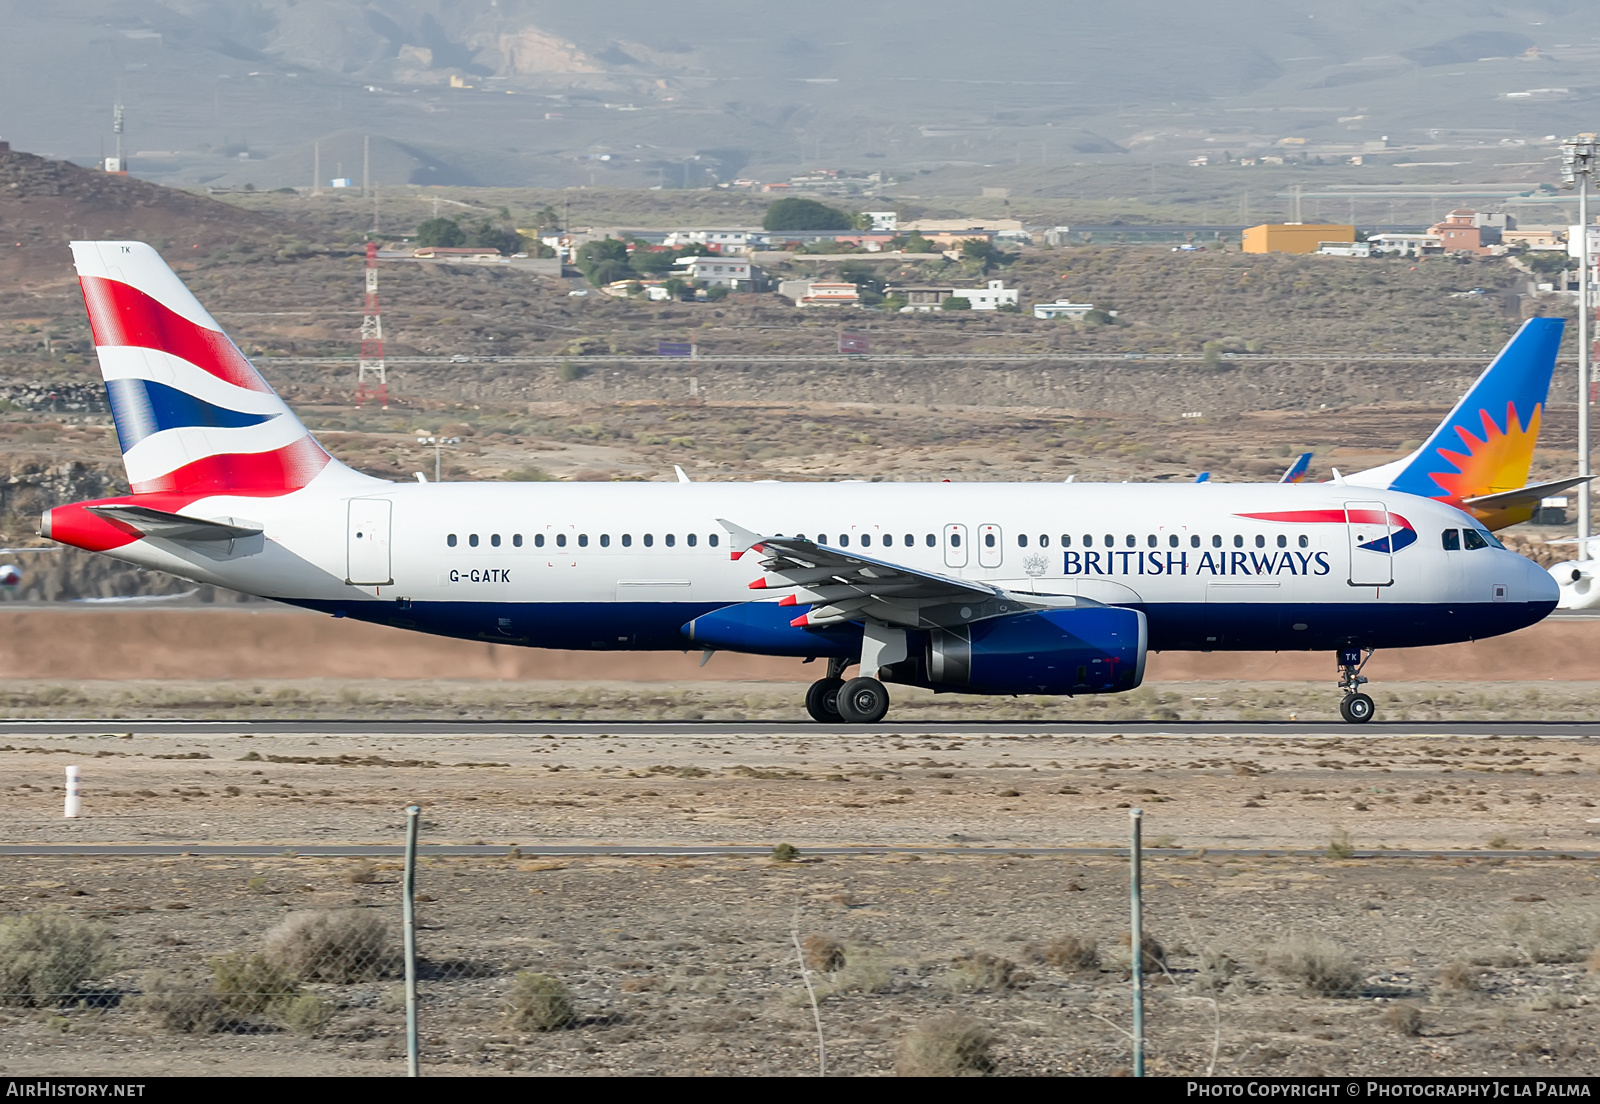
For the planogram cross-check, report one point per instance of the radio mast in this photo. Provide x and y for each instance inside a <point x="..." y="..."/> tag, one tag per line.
<point x="377" y="387"/>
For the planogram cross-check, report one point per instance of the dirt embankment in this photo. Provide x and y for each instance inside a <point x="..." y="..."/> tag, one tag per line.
<point x="271" y="643"/>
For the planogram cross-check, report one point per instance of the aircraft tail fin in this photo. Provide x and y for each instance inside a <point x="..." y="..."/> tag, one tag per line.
<point x="1485" y="444"/>
<point x="1296" y="472"/>
<point x="193" y="416"/>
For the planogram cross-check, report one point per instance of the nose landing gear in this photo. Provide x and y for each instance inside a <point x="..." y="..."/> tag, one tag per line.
<point x="1357" y="708"/>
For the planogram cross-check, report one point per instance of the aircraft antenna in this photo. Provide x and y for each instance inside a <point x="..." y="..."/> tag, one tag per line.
<point x="372" y="381"/>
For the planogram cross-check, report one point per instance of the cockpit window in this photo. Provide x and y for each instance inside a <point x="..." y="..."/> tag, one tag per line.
<point x="1474" y="539"/>
<point x="1452" y="540"/>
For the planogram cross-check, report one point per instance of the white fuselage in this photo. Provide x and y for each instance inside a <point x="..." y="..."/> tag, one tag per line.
<point x="625" y="565"/>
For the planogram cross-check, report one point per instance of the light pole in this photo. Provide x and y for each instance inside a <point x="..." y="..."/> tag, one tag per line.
<point x="1577" y="166"/>
<point x="438" y="444"/>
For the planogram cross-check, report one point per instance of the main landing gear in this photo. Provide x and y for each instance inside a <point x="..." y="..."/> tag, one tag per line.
<point x="1357" y="708"/>
<point x="832" y="700"/>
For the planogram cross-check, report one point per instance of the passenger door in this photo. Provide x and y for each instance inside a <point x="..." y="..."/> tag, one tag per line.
<point x="991" y="549"/>
<point x="1371" y="555"/>
<point x="367" y="543"/>
<point x="955" y="546"/>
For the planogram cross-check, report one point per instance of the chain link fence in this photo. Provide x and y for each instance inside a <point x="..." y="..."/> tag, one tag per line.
<point x="789" y="964"/>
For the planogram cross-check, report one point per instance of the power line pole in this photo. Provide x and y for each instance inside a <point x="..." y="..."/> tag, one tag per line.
<point x="316" y="168"/>
<point x="1577" y="166"/>
<point x="372" y="341"/>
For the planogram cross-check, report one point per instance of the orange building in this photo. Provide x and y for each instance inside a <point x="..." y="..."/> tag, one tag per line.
<point x="1460" y="232"/>
<point x="1294" y="237"/>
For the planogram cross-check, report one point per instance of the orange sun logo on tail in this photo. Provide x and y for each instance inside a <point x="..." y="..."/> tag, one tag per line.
<point x="1497" y="462"/>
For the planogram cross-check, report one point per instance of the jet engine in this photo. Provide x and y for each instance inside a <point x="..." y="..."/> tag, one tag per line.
<point x="1095" y="650"/>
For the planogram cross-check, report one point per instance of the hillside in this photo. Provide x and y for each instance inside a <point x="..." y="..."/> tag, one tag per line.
<point x="44" y="204"/>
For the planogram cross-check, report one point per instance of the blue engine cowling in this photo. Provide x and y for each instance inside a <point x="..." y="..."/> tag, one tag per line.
<point x="1096" y="650"/>
<point x="764" y="628"/>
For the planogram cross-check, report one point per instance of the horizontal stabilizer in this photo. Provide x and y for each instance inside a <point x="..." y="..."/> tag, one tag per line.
<point x="1523" y="496"/>
<point x="158" y="523"/>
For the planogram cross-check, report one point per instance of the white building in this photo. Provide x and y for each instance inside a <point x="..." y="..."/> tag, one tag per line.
<point x="991" y="297"/>
<point x="727" y="242"/>
<point x="884" y="220"/>
<point x="1062" y="308"/>
<point x="729" y="272"/>
<point x="1406" y="245"/>
<point x="820" y="293"/>
<point x="1345" y="249"/>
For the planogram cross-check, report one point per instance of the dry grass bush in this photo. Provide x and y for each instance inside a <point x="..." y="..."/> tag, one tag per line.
<point x="1459" y="976"/>
<point x="252" y="983"/>
<point x="1403" y="1019"/>
<point x="539" y="1002"/>
<point x="982" y="972"/>
<point x="330" y="945"/>
<point x="362" y="873"/>
<point x="1070" y="952"/>
<point x="182" y="1004"/>
<point x="46" y="956"/>
<point x="1319" y="966"/>
<point x="946" y="1046"/>
<point x="865" y="970"/>
<point x="1218" y="973"/>
<point x="1154" y="954"/>
<point x="1562" y="937"/>
<point x="822" y="954"/>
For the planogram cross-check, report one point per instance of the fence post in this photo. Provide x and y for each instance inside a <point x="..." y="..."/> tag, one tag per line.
<point x="409" y="913"/>
<point x="74" y="804"/>
<point x="1136" y="941"/>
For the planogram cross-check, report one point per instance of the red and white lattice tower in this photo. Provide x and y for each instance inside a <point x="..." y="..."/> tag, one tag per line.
<point x="372" y="382"/>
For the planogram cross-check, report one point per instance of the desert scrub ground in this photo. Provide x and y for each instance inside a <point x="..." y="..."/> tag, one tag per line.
<point x="997" y="964"/>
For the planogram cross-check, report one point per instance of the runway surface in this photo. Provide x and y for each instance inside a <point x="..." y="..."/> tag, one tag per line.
<point x="1555" y="730"/>
<point x="376" y="850"/>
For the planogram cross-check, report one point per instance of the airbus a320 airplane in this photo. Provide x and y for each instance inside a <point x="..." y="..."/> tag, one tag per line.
<point x="975" y="588"/>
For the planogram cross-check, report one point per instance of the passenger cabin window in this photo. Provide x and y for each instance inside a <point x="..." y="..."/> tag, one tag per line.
<point x="1283" y="541"/>
<point x="1261" y="541"/>
<point x="494" y="539"/>
<point x="627" y="540"/>
<point x="1044" y="540"/>
<point x="910" y="540"/>
<point x="866" y="540"/>
<point x="1172" y="541"/>
<point x="1216" y="541"/>
<point x="583" y="540"/>
<point x="473" y="540"/>
<point x="1452" y="540"/>
<point x="932" y="540"/>
<point x="711" y="539"/>
<point x="561" y="540"/>
<point x="1474" y="539"/>
<point x="1022" y="540"/>
<point x="692" y="540"/>
<point x="671" y="540"/>
<point x="1111" y="542"/>
<point x="844" y="540"/>
<point x="605" y="540"/>
<point x="1238" y="541"/>
<point x="649" y="540"/>
<point x="1151" y="540"/>
<point x="516" y="540"/>
<point x="1305" y="541"/>
<point x="450" y="541"/>
<point x="1066" y="540"/>
<point x="1194" y="541"/>
<point x="988" y="540"/>
<point x="538" y="540"/>
<point x="955" y="540"/>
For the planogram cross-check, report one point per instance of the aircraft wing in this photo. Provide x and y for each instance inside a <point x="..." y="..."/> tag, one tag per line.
<point x="150" y="522"/>
<point x="841" y="586"/>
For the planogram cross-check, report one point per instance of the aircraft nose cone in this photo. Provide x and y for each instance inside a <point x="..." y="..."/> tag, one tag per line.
<point x="1542" y="586"/>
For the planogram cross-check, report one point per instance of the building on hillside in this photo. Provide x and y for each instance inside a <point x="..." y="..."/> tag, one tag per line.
<point x="1345" y="249"/>
<point x="726" y="242"/>
<point x="729" y="272"/>
<point x="1536" y="237"/>
<point x="1462" y="232"/>
<point x="1294" y="237"/>
<point x="820" y="293"/>
<point x="1062" y="308"/>
<point x="1406" y="245"/>
<point x="884" y="220"/>
<point x="918" y="297"/>
<point x="454" y="252"/>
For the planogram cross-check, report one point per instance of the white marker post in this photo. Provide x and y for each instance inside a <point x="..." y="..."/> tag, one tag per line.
<point x="74" y="792"/>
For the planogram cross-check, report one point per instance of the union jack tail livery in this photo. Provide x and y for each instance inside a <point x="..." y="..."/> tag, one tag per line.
<point x="193" y="416"/>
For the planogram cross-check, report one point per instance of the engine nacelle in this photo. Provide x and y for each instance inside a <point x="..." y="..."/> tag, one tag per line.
<point x="1098" y="650"/>
<point x="765" y="628"/>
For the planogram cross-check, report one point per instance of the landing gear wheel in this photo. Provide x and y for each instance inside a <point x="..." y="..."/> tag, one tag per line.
<point x="863" y="701"/>
<point x="1357" y="709"/>
<point x="822" y="700"/>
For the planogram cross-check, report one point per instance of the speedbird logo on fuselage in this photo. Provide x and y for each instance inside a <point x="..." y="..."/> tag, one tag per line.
<point x="1374" y="530"/>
